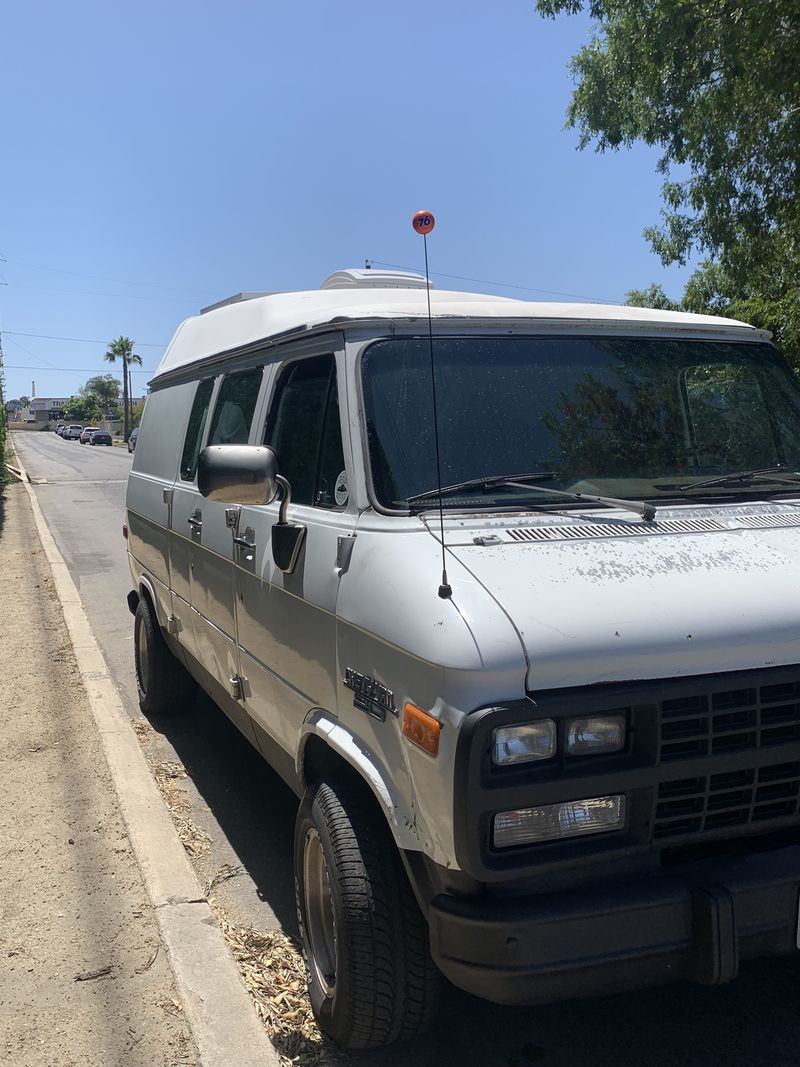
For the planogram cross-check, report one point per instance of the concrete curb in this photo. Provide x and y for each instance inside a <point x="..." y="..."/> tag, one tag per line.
<point x="215" y="1002"/>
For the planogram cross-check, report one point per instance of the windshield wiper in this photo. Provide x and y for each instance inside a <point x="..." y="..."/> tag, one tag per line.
<point x="519" y="481"/>
<point x="743" y="478"/>
<point x="482" y="483"/>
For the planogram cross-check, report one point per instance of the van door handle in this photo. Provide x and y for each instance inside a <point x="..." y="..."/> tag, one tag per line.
<point x="196" y="523"/>
<point x="242" y="542"/>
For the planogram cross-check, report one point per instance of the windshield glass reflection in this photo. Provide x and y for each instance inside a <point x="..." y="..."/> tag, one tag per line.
<point x="627" y="417"/>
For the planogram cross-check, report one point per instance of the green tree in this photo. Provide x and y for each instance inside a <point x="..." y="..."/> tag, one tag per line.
<point x="106" y="388"/>
<point x="652" y="297"/>
<point x="122" y="349"/>
<point x="716" y="85"/>
<point x="137" y="410"/>
<point x="85" y="407"/>
<point x="770" y="302"/>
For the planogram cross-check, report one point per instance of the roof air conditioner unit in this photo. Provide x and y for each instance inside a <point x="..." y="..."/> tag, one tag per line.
<point x="368" y="278"/>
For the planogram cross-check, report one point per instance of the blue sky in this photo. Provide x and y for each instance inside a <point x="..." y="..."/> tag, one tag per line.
<point x="160" y="156"/>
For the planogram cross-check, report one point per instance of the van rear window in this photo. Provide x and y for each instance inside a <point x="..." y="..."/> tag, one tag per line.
<point x="234" y="408"/>
<point x="194" y="431"/>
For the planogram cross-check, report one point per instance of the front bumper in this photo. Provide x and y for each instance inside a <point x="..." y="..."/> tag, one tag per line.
<point x="697" y="924"/>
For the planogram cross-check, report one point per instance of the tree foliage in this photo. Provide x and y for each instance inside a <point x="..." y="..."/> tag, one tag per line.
<point x="96" y="400"/>
<point x="769" y="303"/>
<point x="84" y="407"/>
<point x="716" y="85"/>
<point x="106" y="388"/>
<point x="137" y="410"/>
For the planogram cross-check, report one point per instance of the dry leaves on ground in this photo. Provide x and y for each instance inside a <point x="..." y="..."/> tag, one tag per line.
<point x="142" y="728"/>
<point x="275" y="975"/>
<point x="195" y="840"/>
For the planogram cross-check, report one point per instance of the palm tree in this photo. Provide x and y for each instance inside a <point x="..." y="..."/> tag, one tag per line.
<point x="122" y="349"/>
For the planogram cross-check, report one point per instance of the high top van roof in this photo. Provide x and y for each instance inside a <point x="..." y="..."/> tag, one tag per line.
<point x="246" y="320"/>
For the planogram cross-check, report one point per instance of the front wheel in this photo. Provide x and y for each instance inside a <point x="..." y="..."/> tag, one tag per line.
<point x="371" y="978"/>
<point x="164" y="684"/>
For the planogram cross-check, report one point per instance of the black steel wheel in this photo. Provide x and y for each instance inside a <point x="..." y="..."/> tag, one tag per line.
<point x="164" y="684"/>
<point x="371" y="978"/>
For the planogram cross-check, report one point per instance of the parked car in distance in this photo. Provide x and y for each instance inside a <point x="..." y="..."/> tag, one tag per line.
<point x="73" y="432"/>
<point x="87" y="433"/>
<point x="100" y="437"/>
<point x="134" y="437"/>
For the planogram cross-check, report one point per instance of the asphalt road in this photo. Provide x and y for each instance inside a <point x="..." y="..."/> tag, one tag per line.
<point x="249" y="813"/>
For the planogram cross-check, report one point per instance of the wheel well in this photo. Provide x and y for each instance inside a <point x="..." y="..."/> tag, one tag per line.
<point x="322" y="763"/>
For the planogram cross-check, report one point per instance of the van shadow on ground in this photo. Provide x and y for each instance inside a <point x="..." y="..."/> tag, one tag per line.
<point x="253" y="806"/>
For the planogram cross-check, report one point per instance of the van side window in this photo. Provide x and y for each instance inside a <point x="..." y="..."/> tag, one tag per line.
<point x="304" y="430"/>
<point x="194" y="430"/>
<point x="234" y="409"/>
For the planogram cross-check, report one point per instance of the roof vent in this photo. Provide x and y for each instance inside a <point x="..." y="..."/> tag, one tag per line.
<point x="368" y="278"/>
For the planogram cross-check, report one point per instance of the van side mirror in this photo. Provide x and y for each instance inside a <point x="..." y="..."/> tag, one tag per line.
<point x="238" y="474"/>
<point x="248" y="474"/>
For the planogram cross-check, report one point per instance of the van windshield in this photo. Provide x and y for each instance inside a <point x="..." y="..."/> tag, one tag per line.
<point x="625" y="417"/>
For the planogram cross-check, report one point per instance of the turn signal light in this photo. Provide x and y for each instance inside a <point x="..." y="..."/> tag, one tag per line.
<point x="421" y="729"/>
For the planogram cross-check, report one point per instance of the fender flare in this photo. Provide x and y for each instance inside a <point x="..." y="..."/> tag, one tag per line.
<point x="145" y="585"/>
<point x="402" y="822"/>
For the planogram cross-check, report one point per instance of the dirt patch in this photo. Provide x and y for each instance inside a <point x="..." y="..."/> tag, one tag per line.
<point x="83" y="976"/>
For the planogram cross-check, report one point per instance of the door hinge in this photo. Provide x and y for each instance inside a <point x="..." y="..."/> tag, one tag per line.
<point x="235" y="685"/>
<point x="173" y="624"/>
<point x="232" y="517"/>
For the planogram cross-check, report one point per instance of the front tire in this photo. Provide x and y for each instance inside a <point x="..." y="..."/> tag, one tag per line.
<point x="371" y="978"/>
<point x="164" y="684"/>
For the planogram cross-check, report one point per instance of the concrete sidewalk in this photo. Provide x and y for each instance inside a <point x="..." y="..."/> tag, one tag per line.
<point x="84" y="978"/>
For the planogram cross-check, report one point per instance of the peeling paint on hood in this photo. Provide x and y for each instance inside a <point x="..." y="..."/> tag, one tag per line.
<point x="646" y="607"/>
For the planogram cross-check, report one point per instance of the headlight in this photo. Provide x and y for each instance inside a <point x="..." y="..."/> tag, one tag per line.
<point x="595" y="735"/>
<point x="552" y="822"/>
<point x="523" y="744"/>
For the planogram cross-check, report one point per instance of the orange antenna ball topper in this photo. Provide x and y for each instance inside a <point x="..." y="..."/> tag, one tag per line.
<point x="423" y="222"/>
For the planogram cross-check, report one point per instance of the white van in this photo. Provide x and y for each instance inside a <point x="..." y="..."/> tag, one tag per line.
<point x="530" y="659"/>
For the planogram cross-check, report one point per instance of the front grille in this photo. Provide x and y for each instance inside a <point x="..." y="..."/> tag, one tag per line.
<point x="716" y="723"/>
<point x="729" y="799"/>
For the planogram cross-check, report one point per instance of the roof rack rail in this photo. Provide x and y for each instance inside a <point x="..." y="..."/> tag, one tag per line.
<point x="237" y="299"/>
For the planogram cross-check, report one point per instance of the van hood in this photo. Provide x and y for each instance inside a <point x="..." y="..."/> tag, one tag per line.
<point x="596" y="598"/>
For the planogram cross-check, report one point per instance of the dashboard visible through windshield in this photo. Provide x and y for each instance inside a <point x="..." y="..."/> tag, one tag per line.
<point x="630" y="417"/>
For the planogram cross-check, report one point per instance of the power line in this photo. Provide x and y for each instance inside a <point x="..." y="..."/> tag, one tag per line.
<point x="103" y="278"/>
<point x="69" y="370"/>
<point x="44" y="364"/>
<point x="501" y="285"/>
<point x="79" y="340"/>
<point x="108" y="296"/>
